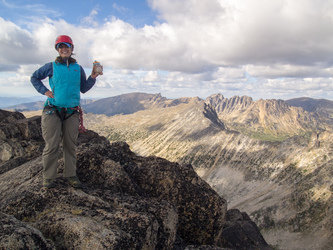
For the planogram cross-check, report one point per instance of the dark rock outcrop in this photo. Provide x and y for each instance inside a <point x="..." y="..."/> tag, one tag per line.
<point x="20" y="139"/>
<point x="240" y="232"/>
<point x="15" y="234"/>
<point x="128" y="202"/>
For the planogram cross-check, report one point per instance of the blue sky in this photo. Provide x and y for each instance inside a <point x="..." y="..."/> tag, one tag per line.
<point x="278" y="49"/>
<point x="21" y="12"/>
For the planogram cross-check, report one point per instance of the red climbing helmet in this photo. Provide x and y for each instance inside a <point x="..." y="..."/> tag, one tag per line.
<point x="64" y="39"/>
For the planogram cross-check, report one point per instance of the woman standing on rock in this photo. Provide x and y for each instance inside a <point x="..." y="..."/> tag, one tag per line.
<point x="60" y="117"/>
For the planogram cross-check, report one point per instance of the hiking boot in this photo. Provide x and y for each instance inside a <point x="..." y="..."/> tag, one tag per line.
<point x="48" y="183"/>
<point x="75" y="182"/>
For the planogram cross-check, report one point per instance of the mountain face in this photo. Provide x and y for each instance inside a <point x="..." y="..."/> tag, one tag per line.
<point x="285" y="186"/>
<point x="267" y="119"/>
<point x="128" y="201"/>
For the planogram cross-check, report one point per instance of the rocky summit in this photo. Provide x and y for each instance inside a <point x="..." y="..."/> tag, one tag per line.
<point x="128" y="201"/>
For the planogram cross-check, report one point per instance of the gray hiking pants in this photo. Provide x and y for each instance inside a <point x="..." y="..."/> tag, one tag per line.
<point x="53" y="132"/>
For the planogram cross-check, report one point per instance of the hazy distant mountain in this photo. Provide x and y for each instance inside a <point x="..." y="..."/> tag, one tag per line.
<point x="131" y="103"/>
<point x="322" y="107"/>
<point x="33" y="106"/>
<point x="11" y="101"/>
<point x="310" y="104"/>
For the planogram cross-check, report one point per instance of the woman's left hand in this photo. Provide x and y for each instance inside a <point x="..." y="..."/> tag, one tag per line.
<point x="94" y="74"/>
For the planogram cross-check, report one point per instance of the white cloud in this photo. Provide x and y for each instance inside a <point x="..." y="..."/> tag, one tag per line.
<point x="151" y="76"/>
<point x="254" y="47"/>
<point x="91" y="18"/>
<point x="289" y="70"/>
<point x="15" y="44"/>
<point x="119" y="8"/>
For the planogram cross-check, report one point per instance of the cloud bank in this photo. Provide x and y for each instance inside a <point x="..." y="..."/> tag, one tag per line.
<point x="263" y="49"/>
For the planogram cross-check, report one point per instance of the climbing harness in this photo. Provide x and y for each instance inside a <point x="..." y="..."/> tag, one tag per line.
<point x="62" y="113"/>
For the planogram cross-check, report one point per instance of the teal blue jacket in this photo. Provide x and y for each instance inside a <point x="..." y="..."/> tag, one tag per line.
<point x="66" y="83"/>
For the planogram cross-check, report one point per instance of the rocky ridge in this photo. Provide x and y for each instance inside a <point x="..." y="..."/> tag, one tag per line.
<point x="267" y="119"/>
<point x="128" y="202"/>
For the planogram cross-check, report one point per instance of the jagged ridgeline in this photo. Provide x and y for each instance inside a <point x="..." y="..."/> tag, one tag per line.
<point x="271" y="158"/>
<point x="128" y="201"/>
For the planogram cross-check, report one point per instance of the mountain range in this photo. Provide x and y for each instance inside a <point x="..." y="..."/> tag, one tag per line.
<point x="277" y="119"/>
<point x="270" y="158"/>
<point x="267" y="157"/>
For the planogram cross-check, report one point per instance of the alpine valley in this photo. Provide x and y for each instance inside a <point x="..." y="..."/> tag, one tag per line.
<point x="269" y="158"/>
<point x="272" y="159"/>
